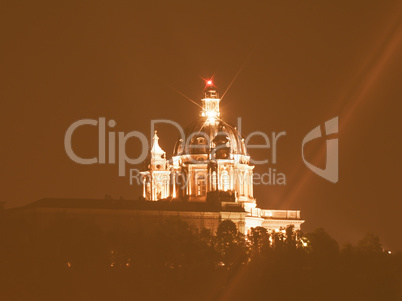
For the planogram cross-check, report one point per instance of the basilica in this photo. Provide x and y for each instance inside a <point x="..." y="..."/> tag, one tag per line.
<point x="210" y="164"/>
<point x="208" y="179"/>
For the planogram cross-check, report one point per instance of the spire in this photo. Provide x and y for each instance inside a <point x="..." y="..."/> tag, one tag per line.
<point x="156" y="149"/>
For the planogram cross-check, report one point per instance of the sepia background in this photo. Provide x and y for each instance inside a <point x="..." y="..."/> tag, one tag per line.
<point x="290" y="67"/>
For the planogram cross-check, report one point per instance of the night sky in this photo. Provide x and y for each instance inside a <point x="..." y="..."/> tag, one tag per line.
<point x="292" y="65"/>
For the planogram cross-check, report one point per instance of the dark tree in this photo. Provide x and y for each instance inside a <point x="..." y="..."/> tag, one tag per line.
<point x="370" y="244"/>
<point x="230" y="244"/>
<point x="322" y="245"/>
<point x="259" y="242"/>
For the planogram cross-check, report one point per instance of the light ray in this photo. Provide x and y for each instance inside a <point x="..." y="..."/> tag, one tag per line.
<point x="182" y="94"/>
<point x="173" y="88"/>
<point x="378" y="61"/>
<point x="238" y="72"/>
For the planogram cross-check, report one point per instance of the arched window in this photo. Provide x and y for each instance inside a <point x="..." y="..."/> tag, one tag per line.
<point x="225" y="180"/>
<point x="241" y="184"/>
<point x="159" y="190"/>
<point x="201" y="140"/>
<point x="201" y="185"/>
<point x="148" y="191"/>
<point x="214" y="180"/>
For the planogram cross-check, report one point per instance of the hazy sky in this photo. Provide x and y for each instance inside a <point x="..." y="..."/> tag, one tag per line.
<point x="299" y="64"/>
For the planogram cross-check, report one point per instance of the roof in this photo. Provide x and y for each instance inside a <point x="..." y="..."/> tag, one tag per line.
<point x="156" y="149"/>
<point x="161" y="205"/>
<point x="199" y="129"/>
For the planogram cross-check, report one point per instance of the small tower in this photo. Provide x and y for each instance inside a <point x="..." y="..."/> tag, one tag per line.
<point x="156" y="180"/>
<point x="158" y="156"/>
<point x="210" y="103"/>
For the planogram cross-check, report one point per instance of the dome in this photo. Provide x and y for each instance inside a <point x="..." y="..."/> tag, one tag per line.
<point x="202" y="138"/>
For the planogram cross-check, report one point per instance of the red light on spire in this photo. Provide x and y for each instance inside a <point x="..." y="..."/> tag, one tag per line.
<point x="209" y="83"/>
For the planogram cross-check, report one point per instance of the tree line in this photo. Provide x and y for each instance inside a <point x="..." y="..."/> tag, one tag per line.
<point x="171" y="260"/>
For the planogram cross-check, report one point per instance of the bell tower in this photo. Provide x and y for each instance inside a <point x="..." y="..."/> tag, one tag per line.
<point x="158" y="155"/>
<point x="210" y="103"/>
<point x="156" y="180"/>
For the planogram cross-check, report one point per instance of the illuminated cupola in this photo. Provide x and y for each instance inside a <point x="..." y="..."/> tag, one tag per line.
<point x="210" y="103"/>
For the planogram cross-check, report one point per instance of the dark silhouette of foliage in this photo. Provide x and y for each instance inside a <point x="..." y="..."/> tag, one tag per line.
<point x="70" y="259"/>
<point x="230" y="244"/>
<point x="259" y="242"/>
<point x="370" y="244"/>
<point x="322" y="245"/>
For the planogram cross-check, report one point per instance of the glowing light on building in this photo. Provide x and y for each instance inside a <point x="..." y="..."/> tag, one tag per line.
<point x="211" y="158"/>
<point x="210" y="103"/>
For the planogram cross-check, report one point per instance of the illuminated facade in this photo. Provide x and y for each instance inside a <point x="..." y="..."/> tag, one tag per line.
<point x="210" y="163"/>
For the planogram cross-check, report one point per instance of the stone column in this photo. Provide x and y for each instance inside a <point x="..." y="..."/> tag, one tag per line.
<point x="174" y="183"/>
<point x="144" y="183"/>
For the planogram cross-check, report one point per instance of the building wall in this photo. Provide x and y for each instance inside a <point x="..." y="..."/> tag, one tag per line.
<point x="115" y="220"/>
